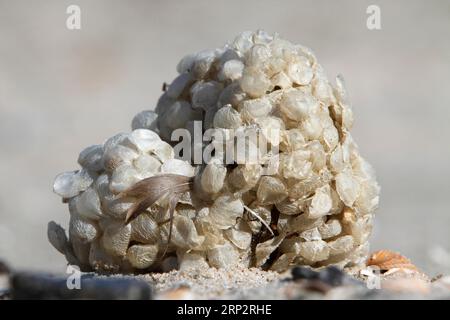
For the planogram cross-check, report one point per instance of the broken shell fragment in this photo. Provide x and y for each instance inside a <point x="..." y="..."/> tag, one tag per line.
<point x="387" y="260"/>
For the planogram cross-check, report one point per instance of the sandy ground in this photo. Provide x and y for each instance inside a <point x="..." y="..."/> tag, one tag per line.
<point x="239" y="283"/>
<point x="204" y="284"/>
<point x="62" y="90"/>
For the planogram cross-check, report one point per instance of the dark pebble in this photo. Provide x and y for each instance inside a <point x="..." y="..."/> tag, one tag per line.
<point x="304" y="273"/>
<point x="27" y="285"/>
<point x="331" y="276"/>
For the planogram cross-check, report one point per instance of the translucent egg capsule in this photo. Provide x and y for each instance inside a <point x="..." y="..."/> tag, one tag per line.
<point x="142" y="256"/>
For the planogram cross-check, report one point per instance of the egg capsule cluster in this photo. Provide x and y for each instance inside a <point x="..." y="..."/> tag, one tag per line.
<point x="314" y="209"/>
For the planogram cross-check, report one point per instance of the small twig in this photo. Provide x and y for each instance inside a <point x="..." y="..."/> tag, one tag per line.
<point x="260" y="219"/>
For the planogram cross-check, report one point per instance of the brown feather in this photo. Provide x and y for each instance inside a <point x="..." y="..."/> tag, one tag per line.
<point x="155" y="184"/>
<point x="150" y="190"/>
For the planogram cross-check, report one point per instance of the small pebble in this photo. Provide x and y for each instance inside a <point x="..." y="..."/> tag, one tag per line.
<point x="304" y="273"/>
<point x="38" y="286"/>
<point x="331" y="276"/>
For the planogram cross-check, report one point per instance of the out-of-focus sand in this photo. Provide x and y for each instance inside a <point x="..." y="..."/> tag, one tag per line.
<point x="62" y="90"/>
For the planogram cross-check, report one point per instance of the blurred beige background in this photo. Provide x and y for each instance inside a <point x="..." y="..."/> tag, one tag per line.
<point x="62" y="90"/>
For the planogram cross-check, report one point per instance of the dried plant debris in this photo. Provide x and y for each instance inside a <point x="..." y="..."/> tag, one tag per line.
<point x="134" y="207"/>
